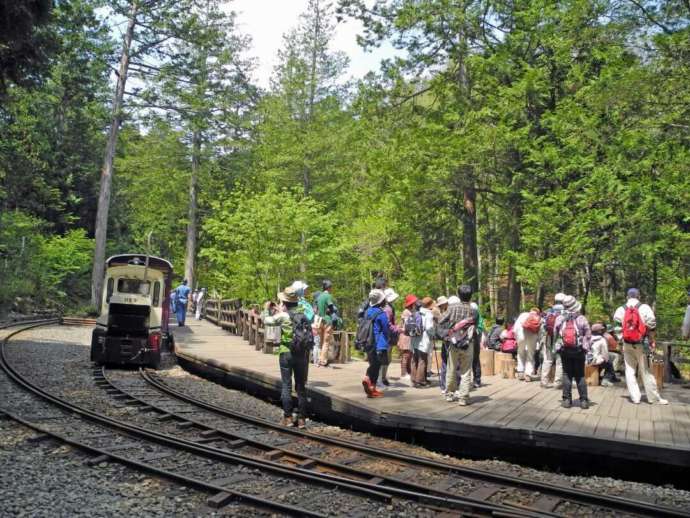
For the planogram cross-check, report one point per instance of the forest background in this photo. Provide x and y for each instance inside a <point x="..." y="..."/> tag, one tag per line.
<point x="523" y="146"/>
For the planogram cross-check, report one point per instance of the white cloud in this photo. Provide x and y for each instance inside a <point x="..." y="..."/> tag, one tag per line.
<point x="267" y="20"/>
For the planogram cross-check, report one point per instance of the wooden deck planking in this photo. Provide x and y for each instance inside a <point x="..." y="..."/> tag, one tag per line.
<point x="498" y="404"/>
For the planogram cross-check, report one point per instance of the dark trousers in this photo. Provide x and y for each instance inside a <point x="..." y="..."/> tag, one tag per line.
<point x="476" y="364"/>
<point x="574" y="369"/>
<point x="299" y="368"/>
<point x="419" y="366"/>
<point x="609" y="373"/>
<point x="374" y="358"/>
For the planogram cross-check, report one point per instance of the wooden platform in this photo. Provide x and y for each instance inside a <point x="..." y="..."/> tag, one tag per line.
<point x="504" y="415"/>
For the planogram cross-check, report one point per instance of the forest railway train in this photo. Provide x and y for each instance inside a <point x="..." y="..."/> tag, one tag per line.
<point x="132" y="328"/>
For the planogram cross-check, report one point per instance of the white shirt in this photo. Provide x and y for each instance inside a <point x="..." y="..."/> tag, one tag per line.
<point x="424" y="342"/>
<point x="520" y="334"/>
<point x="646" y="313"/>
<point x="599" y="349"/>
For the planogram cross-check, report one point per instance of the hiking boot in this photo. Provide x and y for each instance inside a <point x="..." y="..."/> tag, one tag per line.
<point x="566" y="403"/>
<point x="450" y="397"/>
<point x="546" y="385"/>
<point x="463" y="402"/>
<point x="528" y="377"/>
<point x="287" y="421"/>
<point x="301" y="423"/>
<point x="477" y="384"/>
<point x="366" y="383"/>
<point x="386" y="382"/>
<point x="521" y="376"/>
<point x="662" y="401"/>
<point x="606" y="383"/>
<point x="584" y="404"/>
<point x="376" y="393"/>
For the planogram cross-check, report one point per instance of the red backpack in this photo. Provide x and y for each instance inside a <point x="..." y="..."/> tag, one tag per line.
<point x="509" y="345"/>
<point x="532" y="323"/>
<point x="634" y="328"/>
<point x="569" y="333"/>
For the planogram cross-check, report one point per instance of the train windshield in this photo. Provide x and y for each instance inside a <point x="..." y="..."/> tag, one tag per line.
<point x="133" y="286"/>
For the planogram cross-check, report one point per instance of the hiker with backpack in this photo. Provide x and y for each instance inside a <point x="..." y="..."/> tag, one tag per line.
<point x="551" y="357"/>
<point x="493" y="338"/>
<point x="527" y="330"/>
<point x="476" y="364"/>
<point x="458" y="328"/>
<point x="637" y="324"/>
<point x="393" y="332"/>
<point x="372" y="338"/>
<point x="599" y="355"/>
<point x="422" y="338"/>
<point x="326" y="309"/>
<point x="405" y="340"/>
<point x="573" y="344"/>
<point x="296" y="341"/>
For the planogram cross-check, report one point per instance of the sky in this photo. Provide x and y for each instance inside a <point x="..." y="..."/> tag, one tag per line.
<point x="267" y="20"/>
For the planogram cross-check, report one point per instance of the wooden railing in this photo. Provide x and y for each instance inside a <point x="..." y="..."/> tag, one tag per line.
<point x="247" y="323"/>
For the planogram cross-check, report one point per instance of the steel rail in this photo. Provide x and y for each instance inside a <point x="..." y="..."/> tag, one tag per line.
<point x="383" y="482"/>
<point x="163" y="473"/>
<point x="181" y="444"/>
<point x="363" y="488"/>
<point x="574" y="495"/>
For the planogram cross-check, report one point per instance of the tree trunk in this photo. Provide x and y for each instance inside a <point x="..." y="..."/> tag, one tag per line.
<point x="514" y="287"/>
<point x="470" y="259"/>
<point x="190" y="249"/>
<point x="101" y="230"/>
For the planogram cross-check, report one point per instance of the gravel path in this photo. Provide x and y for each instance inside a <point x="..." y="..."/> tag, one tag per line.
<point x="70" y="346"/>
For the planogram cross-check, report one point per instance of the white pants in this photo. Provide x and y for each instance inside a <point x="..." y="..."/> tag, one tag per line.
<point x="617" y="360"/>
<point x="635" y="357"/>
<point x="525" y="354"/>
<point x="197" y="315"/>
<point x="550" y="358"/>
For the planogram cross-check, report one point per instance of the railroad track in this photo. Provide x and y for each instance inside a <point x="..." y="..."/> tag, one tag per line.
<point x="78" y="321"/>
<point x="301" y="456"/>
<point x="108" y="439"/>
<point x="546" y="497"/>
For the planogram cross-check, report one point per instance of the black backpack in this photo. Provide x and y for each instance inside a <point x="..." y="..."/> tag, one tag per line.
<point x="302" y="336"/>
<point x="364" y="339"/>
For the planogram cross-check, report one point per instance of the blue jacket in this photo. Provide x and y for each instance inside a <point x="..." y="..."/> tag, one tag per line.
<point x="380" y="327"/>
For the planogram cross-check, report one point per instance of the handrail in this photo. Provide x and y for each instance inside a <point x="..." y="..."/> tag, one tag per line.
<point x="231" y="315"/>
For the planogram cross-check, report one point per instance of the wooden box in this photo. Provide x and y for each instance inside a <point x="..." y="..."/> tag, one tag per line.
<point x="657" y="368"/>
<point x="508" y="368"/>
<point x="499" y="358"/>
<point x="592" y="375"/>
<point x="486" y="360"/>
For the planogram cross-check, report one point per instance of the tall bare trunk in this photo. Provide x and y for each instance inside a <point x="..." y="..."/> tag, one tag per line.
<point x="470" y="256"/>
<point x="514" y="286"/>
<point x="190" y="249"/>
<point x="101" y="232"/>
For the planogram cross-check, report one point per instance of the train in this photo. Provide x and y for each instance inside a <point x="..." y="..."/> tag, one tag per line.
<point x="132" y="328"/>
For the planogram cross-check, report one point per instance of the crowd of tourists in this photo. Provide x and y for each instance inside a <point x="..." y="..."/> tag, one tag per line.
<point x="552" y="347"/>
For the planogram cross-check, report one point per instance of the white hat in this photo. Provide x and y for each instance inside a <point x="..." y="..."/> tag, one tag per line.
<point x="559" y="297"/>
<point x="390" y="294"/>
<point x="441" y="300"/>
<point x="376" y="297"/>
<point x="453" y="299"/>
<point x="571" y="304"/>
<point x="299" y="285"/>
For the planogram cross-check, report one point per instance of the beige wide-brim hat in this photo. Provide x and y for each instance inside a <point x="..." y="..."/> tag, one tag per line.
<point x="376" y="297"/>
<point x="288" y="295"/>
<point x="441" y="301"/>
<point x="391" y="295"/>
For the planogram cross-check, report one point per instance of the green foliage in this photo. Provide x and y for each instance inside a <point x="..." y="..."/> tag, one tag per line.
<point x="255" y="243"/>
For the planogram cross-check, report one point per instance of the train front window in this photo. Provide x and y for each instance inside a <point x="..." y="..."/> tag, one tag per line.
<point x="110" y="290"/>
<point x="135" y="286"/>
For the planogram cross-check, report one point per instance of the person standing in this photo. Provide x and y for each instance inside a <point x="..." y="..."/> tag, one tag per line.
<point x="422" y="343"/>
<point x="182" y="299"/>
<point x="296" y="340"/>
<point x="325" y="305"/>
<point x="478" y="336"/>
<point x="549" y="346"/>
<point x="377" y="351"/>
<point x="393" y="332"/>
<point x="637" y="324"/>
<point x="405" y="341"/>
<point x="199" y="303"/>
<point x="527" y="328"/>
<point x="575" y="336"/>
<point x="459" y="357"/>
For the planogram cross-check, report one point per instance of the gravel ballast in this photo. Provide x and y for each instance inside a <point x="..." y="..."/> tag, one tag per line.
<point x="68" y="346"/>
